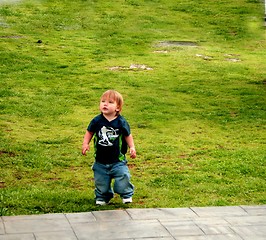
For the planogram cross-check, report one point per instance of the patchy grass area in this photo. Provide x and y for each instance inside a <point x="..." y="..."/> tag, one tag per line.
<point x="197" y="113"/>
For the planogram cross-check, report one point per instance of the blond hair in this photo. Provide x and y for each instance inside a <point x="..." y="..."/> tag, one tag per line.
<point x="116" y="96"/>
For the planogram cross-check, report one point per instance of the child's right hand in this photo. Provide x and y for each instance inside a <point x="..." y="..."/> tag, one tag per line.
<point x="85" y="148"/>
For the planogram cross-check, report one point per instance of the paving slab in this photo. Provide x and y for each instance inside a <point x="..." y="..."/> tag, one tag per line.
<point x="55" y="216"/>
<point x="195" y="223"/>
<point x="86" y="217"/>
<point x="112" y="215"/>
<point x="210" y="221"/>
<point x="22" y="236"/>
<point x="36" y="223"/>
<point x="216" y="230"/>
<point x="120" y="230"/>
<point x="255" y="210"/>
<point x="2" y="230"/>
<point x="182" y="228"/>
<point x="160" y="213"/>
<point x="160" y="238"/>
<point x="247" y="220"/>
<point x="219" y="211"/>
<point x="60" y="235"/>
<point x="251" y="232"/>
<point x="211" y="237"/>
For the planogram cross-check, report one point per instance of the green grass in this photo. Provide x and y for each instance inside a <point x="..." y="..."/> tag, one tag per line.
<point x="198" y="117"/>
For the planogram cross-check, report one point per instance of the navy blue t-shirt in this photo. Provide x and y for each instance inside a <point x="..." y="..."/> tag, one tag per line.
<point x="109" y="138"/>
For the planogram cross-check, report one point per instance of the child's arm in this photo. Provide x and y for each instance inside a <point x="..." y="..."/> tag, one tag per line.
<point x="87" y="138"/>
<point x="130" y="143"/>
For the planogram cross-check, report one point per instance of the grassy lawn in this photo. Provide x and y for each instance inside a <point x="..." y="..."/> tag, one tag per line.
<point x="197" y="113"/>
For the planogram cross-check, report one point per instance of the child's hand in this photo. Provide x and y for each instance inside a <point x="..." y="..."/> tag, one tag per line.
<point x="132" y="152"/>
<point x="85" y="148"/>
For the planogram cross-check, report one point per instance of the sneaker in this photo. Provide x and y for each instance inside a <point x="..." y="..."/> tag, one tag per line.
<point x="100" y="203"/>
<point x="127" y="200"/>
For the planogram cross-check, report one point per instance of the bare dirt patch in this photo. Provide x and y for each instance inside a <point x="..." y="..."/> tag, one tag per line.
<point x="177" y="44"/>
<point x="11" y="37"/>
<point x="131" y="67"/>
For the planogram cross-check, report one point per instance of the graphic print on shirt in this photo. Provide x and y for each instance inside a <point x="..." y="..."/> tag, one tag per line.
<point x="107" y="136"/>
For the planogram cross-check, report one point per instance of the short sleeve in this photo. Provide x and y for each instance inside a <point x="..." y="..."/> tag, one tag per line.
<point x="125" y="127"/>
<point x="92" y="126"/>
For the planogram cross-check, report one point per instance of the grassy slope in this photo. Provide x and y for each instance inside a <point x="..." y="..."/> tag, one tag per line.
<point x="198" y="119"/>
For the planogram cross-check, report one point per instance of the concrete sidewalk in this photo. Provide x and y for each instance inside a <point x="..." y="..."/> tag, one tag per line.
<point x="238" y="222"/>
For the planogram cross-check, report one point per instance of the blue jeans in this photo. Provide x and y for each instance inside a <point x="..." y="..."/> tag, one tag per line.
<point x="103" y="176"/>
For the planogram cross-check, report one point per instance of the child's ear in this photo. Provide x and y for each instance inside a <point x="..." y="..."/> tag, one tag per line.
<point x="118" y="109"/>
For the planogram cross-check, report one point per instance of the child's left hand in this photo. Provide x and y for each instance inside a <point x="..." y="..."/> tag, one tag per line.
<point x="132" y="152"/>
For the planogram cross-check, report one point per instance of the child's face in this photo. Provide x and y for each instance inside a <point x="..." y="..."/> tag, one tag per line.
<point x="108" y="106"/>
